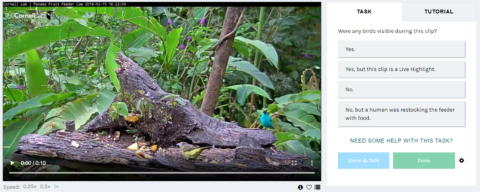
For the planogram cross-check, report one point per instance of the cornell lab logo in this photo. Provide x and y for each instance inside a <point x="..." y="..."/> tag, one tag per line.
<point x="48" y="14"/>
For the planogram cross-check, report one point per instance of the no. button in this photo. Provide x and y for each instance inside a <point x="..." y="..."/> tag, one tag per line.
<point x="461" y="160"/>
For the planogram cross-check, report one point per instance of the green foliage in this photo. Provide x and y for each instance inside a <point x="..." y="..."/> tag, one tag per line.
<point x="74" y="62"/>
<point x="242" y="48"/>
<point x="118" y="108"/>
<point x="309" y="108"/>
<point x="53" y="121"/>
<point x="199" y="13"/>
<point x="25" y="106"/>
<point x="301" y="132"/>
<point x="243" y="91"/>
<point x="141" y="55"/>
<point x="122" y="109"/>
<point x="57" y="97"/>
<point x="283" y="84"/>
<point x="79" y="111"/>
<point x="297" y="147"/>
<point x="249" y="68"/>
<point x="28" y="41"/>
<point x="136" y="38"/>
<point x="173" y="39"/>
<point x="145" y="106"/>
<point x="289" y="127"/>
<point x="242" y="94"/>
<point x="15" y="95"/>
<point x="111" y="65"/>
<point x="268" y="50"/>
<point x="36" y="79"/>
<point x="101" y="32"/>
<point x="301" y="118"/>
<point x="130" y="14"/>
<point x="105" y="99"/>
<point x="67" y="12"/>
<point x="113" y="112"/>
<point x="14" y="131"/>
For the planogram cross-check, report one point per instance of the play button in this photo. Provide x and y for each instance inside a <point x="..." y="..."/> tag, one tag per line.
<point x="11" y="162"/>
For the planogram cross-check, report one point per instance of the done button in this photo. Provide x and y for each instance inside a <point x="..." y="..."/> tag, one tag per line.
<point x="363" y="160"/>
<point x="424" y="160"/>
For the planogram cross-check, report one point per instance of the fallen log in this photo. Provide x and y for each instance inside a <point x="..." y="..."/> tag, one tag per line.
<point x="165" y="120"/>
<point x="92" y="150"/>
<point x="171" y="123"/>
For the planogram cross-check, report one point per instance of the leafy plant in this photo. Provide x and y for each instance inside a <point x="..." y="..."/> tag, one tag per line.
<point x="36" y="79"/>
<point x="249" y="68"/>
<point x="244" y="90"/>
<point x="118" y="108"/>
<point x="70" y="29"/>
<point x="111" y="65"/>
<point x="79" y="111"/>
<point x="15" y="130"/>
<point x="298" y="128"/>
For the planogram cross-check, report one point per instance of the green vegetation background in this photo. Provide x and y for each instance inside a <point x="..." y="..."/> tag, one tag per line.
<point x="63" y="69"/>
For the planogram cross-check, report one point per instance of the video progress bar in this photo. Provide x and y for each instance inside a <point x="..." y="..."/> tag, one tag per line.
<point x="166" y="173"/>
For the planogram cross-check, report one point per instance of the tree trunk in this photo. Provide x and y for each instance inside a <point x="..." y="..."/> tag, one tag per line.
<point x="221" y="60"/>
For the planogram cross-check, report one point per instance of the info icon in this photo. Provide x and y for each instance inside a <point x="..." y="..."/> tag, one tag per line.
<point x="300" y="187"/>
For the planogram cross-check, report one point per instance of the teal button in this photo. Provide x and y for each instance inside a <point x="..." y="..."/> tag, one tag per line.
<point x="424" y="160"/>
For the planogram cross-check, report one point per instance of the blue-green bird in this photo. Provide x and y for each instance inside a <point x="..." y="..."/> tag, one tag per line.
<point x="266" y="120"/>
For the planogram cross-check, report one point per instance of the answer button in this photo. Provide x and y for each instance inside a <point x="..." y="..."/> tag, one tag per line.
<point x="416" y="160"/>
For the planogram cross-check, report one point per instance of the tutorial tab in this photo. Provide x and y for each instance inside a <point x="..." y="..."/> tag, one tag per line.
<point x="438" y="12"/>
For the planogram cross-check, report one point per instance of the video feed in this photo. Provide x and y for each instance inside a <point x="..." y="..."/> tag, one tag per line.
<point x="161" y="91"/>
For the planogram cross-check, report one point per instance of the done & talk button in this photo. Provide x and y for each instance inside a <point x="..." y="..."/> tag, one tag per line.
<point x="366" y="160"/>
